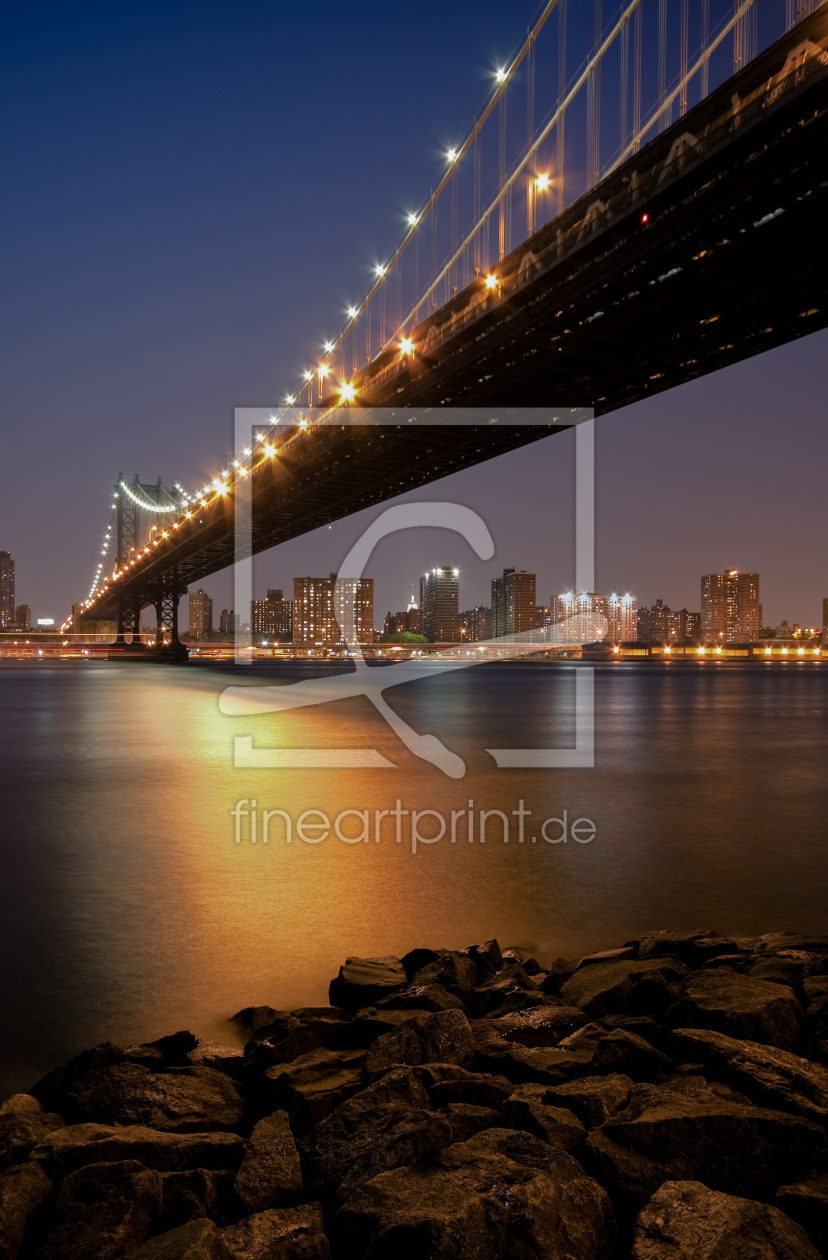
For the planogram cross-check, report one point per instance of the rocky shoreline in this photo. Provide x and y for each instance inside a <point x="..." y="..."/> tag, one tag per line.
<point x="666" y="1100"/>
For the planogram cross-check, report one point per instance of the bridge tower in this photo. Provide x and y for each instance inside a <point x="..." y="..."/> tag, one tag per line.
<point x="143" y="510"/>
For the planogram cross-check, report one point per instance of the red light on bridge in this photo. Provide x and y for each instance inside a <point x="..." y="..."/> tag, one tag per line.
<point x="645" y="218"/>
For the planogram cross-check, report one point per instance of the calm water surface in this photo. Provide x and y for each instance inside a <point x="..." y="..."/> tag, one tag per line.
<point x="127" y="910"/>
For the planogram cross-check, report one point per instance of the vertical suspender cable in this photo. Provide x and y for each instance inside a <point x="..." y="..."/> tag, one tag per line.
<point x="637" y="80"/>
<point x="477" y="204"/>
<point x="594" y="105"/>
<point x="663" y="121"/>
<point x="738" y="41"/>
<point x="705" y="38"/>
<point x="561" y="95"/>
<point x="502" y="177"/>
<point x="684" y="53"/>
<point x="530" y="131"/>
<point x="625" y="84"/>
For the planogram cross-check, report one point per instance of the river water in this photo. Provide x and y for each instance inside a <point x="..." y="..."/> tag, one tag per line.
<point x="128" y="909"/>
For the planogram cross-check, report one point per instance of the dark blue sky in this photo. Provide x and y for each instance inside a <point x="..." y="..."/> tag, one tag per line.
<point x="192" y="194"/>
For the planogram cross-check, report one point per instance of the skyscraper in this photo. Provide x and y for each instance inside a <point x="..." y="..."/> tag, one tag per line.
<point x="622" y="614"/>
<point x="439" y="604"/>
<point x="582" y="618"/>
<point x="655" y="623"/>
<point x="6" y="589"/>
<point x="273" y="616"/>
<point x="317" y="622"/>
<point x="23" y="617"/>
<point x="201" y="614"/>
<point x="513" y="603"/>
<point x="730" y="608"/>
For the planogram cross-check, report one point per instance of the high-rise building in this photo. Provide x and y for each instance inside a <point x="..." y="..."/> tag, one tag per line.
<point x="825" y="619"/>
<point x="6" y="589"/>
<point x="439" y="604"/>
<point x="730" y="608"/>
<point x="23" y="617"/>
<point x="622" y="615"/>
<point x="318" y="623"/>
<point x="513" y="603"/>
<point x="201" y="614"/>
<point x="228" y="621"/>
<point x="685" y="627"/>
<point x="655" y="623"/>
<point x="272" y="617"/>
<point x="582" y="618"/>
<point x="475" y="624"/>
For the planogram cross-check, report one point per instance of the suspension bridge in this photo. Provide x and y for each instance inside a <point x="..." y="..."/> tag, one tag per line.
<point x="636" y="229"/>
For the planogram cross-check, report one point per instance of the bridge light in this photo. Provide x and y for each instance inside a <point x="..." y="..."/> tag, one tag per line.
<point x="645" y="218"/>
<point x="308" y="376"/>
<point x="542" y="183"/>
<point x="329" y="345"/>
<point x="269" y="450"/>
<point x="324" y="369"/>
<point x="452" y="155"/>
<point x="352" y="312"/>
<point x="347" y="391"/>
<point x="406" y="346"/>
<point x="491" y="281"/>
<point x="500" y="75"/>
<point x="413" y="220"/>
<point x="380" y="269"/>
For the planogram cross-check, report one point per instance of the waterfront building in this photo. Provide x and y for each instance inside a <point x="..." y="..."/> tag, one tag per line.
<point x="316" y="621"/>
<point x="730" y="608"/>
<point x="23" y="617"/>
<point x="685" y="627"/>
<point x="6" y="590"/>
<point x="579" y="618"/>
<point x="513" y="603"/>
<point x="439" y="604"/>
<point x="622" y="615"/>
<point x="825" y="620"/>
<point x="654" y="623"/>
<point x="228" y="621"/>
<point x="476" y="624"/>
<point x="201" y="614"/>
<point x="542" y="617"/>
<point x="272" y="617"/>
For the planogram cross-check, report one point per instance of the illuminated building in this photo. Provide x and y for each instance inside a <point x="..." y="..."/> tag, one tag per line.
<point x="201" y="614"/>
<point x="513" y="603"/>
<point x="439" y="604"/>
<point x="730" y="608"/>
<point x="6" y="589"/>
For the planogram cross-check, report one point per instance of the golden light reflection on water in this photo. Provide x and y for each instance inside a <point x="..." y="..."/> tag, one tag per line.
<point x="132" y="911"/>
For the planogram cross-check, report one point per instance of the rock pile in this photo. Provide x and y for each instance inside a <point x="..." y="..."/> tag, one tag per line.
<point x="667" y="1100"/>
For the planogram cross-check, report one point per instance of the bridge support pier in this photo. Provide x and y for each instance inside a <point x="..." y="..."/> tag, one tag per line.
<point x="169" y="647"/>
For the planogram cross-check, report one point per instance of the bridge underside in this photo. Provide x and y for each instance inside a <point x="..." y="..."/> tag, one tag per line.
<point x="600" y="308"/>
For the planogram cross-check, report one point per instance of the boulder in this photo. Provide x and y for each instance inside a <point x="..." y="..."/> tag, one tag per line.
<point x="363" y="981"/>
<point x="55" y="1090"/>
<point x="499" y="1195"/>
<point x="525" y="958"/>
<point x="608" y="955"/>
<point x="512" y="984"/>
<point x="544" y="1025"/>
<point x="740" y="1006"/>
<point x="210" y="1054"/>
<point x="522" y="1065"/>
<point x="196" y="1194"/>
<point x="686" y="1131"/>
<point x="650" y="995"/>
<point x="198" y="1240"/>
<point x="772" y="942"/>
<point x="692" y="948"/>
<point x="478" y="1089"/>
<point x="22" y="1131"/>
<point x="444" y="1037"/>
<point x="294" y="1033"/>
<point x="253" y="1017"/>
<point x="422" y="997"/>
<point x="79" y="1144"/>
<point x="22" y="1190"/>
<point x="806" y="1202"/>
<point x="270" y="1175"/>
<point x="557" y="1126"/>
<point x="373" y="1022"/>
<point x="560" y="971"/>
<point x="769" y="1077"/>
<point x="454" y="972"/>
<point x="487" y="957"/>
<point x="178" y="1100"/>
<point x="593" y="1100"/>
<point x="103" y="1210"/>
<point x="622" y="1053"/>
<point x="347" y="1132"/>
<point x="20" y="1103"/>
<point x="311" y="1087"/>
<point x="465" y="1120"/>
<point x="281" y="1234"/>
<point x="415" y="1136"/>
<point x="602" y="989"/>
<point x="780" y="969"/>
<point x="684" y="1220"/>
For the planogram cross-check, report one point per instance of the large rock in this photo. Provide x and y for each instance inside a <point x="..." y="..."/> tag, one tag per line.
<point x="211" y="1054"/>
<point x="593" y="1100"/>
<point x="447" y="1084"/>
<point x="444" y="1037"/>
<point x="196" y="1194"/>
<point x="198" y="1240"/>
<point x="740" y="1006"/>
<point x="79" y="1144"/>
<point x="686" y="1221"/>
<point x="180" y="1100"/>
<point x="527" y="1111"/>
<point x="512" y="989"/>
<point x="22" y="1190"/>
<point x="270" y="1176"/>
<point x="806" y="1201"/>
<point x="346" y="1133"/>
<point x="487" y="956"/>
<point x="293" y="1033"/>
<point x="374" y="1021"/>
<point x="363" y="981"/>
<point x="415" y="1136"/>
<point x="684" y="1131"/>
<point x="540" y="1025"/>
<point x="465" y="1120"/>
<point x="523" y="1065"/>
<point x="19" y="1103"/>
<point x="312" y="1086"/>
<point x="282" y="1234"/>
<point x="22" y="1131"/>
<point x="602" y="988"/>
<point x="650" y="995"/>
<point x="769" y="1077"/>
<point x="500" y="1195"/>
<point x="422" y="997"/>
<point x="693" y="948"/>
<point x="623" y="1053"/>
<point x="456" y="973"/>
<point x="103" y="1210"/>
